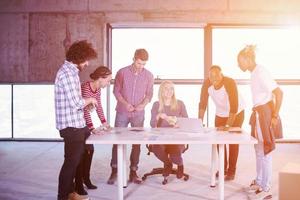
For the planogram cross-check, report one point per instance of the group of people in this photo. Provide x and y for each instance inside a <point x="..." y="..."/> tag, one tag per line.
<point x="265" y="121"/>
<point x="133" y="90"/>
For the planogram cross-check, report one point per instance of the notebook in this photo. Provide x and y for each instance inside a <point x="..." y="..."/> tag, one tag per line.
<point x="190" y="124"/>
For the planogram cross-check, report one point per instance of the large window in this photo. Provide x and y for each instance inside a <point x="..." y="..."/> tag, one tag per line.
<point x="5" y="111"/>
<point x="31" y="112"/>
<point x="177" y="54"/>
<point x="277" y="50"/>
<point x="34" y="113"/>
<point x="174" y="53"/>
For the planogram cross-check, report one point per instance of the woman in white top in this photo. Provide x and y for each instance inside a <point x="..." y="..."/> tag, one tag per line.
<point x="229" y="110"/>
<point x="267" y="98"/>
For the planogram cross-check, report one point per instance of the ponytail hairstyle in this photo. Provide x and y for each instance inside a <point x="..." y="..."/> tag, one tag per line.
<point x="248" y="52"/>
<point x="100" y="72"/>
<point x="215" y="67"/>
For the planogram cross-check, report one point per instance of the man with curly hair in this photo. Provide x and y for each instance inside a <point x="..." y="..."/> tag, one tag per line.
<point x="70" y="120"/>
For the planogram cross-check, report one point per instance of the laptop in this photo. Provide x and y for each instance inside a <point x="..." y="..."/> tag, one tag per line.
<point x="190" y="124"/>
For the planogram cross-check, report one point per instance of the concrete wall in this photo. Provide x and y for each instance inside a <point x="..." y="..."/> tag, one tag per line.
<point x="35" y="33"/>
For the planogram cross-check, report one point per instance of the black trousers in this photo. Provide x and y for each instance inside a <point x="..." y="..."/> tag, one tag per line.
<point x="74" y="139"/>
<point x="233" y="148"/>
<point x="84" y="167"/>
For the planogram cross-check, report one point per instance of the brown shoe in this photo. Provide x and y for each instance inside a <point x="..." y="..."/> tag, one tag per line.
<point x="89" y="184"/>
<point x="179" y="171"/>
<point x="133" y="177"/>
<point x="229" y="177"/>
<point x="75" y="196"/>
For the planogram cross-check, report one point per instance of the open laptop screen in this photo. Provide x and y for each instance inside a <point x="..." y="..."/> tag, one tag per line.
<point x="189" y="124"/>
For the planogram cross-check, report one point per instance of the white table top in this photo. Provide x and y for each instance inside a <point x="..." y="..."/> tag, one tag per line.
<point x="139" y="135"/>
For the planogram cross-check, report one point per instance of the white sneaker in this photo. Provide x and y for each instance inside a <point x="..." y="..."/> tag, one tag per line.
<point x="252" y="188"/>
<point x="260" y="195"/>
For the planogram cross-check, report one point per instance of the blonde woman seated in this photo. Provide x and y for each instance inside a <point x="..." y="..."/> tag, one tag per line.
<point x="163" y="114"/>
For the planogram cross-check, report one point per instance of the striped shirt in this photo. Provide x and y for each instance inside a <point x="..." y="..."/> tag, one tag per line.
<point x="87" y="92"/>
<point x="68" y="100"/>
<point x="134" y="88"/>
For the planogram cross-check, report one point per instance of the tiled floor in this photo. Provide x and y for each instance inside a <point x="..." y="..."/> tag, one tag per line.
<point x="29" y="171"/>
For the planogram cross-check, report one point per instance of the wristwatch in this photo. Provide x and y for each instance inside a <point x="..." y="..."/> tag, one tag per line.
<point x="275" y="116"/>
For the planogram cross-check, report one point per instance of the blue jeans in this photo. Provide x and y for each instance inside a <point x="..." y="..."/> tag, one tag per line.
<point x="263" y="162"/>
<point x="123" y="120"/>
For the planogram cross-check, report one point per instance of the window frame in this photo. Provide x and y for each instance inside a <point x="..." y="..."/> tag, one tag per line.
<point x="208" y="28"/>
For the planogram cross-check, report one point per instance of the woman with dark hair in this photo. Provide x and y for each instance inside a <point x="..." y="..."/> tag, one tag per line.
<point x="230" y="107"/>
<point x="100" y="79"/>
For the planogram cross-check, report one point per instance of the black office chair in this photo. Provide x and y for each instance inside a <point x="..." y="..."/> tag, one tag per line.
<point x="160" y="170"/>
